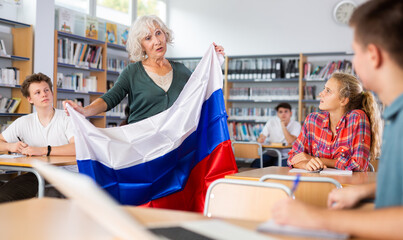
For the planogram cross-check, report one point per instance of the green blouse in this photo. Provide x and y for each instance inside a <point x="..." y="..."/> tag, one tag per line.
<point x="146" y="98"/>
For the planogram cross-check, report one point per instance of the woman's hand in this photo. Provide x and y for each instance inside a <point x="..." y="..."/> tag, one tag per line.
<point x="75" y="106"/>
<point x="219" y="49"/>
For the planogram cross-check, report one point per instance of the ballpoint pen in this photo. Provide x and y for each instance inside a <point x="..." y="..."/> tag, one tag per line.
<point x="295" y="185"/>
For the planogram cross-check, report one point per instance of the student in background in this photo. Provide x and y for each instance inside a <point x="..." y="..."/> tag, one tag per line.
<point x="378" y="60"/>
<point x="279" y="130"/>
<point x="345" y="135"/>
<point x="47" y="132"/>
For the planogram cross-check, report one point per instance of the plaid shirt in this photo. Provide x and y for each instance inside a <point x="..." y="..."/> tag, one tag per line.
<point x="350" y="147"/>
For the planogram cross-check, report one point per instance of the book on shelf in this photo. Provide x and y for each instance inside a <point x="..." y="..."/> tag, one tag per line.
<point x="3" y="50"/>
<point x="79" y="54"/>
<point x="323" y="72"/>
<point x="111" y="33"/>
<point x="79" y="101"/>
<point x="14" y="105"/>
<point x="123" y="34"/>
<point x="91" y="27"/>
<point x="9" y="105"/>
<point x="66" y="20"/>
<point x="10" y="76"/>
<point x="77" y="82"/>
<point x="109" y="84"/>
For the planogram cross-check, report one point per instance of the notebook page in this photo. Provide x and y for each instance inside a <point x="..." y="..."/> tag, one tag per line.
<point x="271" y="227"/>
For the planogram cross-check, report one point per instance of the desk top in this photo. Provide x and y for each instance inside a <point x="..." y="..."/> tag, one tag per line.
<point x="355" y="179"/>
<point x="275" y="146"/>
<point x="51" y="218"/>
<point x="27" y="161"/>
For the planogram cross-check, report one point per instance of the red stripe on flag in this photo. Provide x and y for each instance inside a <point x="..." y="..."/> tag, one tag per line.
<point x="219" y="163"/>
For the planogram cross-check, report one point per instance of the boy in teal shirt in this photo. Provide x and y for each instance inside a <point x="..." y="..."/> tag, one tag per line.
<point x="378" y="61"/>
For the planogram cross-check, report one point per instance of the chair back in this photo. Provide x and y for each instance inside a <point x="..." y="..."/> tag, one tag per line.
<point x="311" y="190"/>
<point x="371" y="167"/>
<point x="247" y="151"/>
<point x="242" y="199"/>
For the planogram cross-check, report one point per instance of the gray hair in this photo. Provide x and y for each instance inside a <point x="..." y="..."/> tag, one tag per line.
<point x="139" y="30"/>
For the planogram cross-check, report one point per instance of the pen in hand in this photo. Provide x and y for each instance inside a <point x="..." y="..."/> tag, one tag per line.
<point x="19" y="139"/>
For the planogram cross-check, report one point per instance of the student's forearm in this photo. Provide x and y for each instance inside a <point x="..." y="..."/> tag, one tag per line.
<point x="261" y="138"/>
<point x="3" y="146"/>
<point x="66" y="150"/>
<point x="96" y="107"/>
<point x="288" y="137"/>
<point x="329" y="162"/>
<point x="381" y="224"/>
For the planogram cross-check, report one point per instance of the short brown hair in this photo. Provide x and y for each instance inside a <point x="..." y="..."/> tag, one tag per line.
<point x="34" y="78"/>
<point x="283" y="105"/>
<point x="380" y="22"/>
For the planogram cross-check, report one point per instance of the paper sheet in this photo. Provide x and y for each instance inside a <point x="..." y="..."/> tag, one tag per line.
<point x="271" y="227"/>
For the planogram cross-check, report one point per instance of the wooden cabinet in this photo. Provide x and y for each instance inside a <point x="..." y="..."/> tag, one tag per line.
<point x="18" y="41"/>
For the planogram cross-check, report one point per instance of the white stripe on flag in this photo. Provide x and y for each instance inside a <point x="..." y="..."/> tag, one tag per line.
<point x="129" y="145"/>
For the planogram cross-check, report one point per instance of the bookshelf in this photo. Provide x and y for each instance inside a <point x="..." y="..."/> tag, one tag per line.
<point x="316" y="70"/>
<point x="117" y="60"/>
<point x="17" y="65"/>
<point x="254" y="85"/>
<point x="79" y="71"/>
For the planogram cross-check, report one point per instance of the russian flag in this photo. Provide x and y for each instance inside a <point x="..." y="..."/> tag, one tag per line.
<point x="167" y="160"/>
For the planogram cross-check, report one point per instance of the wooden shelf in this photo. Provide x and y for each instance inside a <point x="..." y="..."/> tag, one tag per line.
<point x="21" y="58"/>
<point x="100" y="74"/>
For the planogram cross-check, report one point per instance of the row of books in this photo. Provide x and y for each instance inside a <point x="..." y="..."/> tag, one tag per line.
<point x="77" y="82"/>
<point x="117" y="65"/>
<point x="310" y="93"/>
<point x="251" y="113"/>
<point x="190" y="64"/>
<point x="254" y="113"/>
<point x="10" y="76"/>
<point x="94" y="28"/>
<point x="262" y="68"/>
<point x="79" y="54"/>
<point x="244" y="131"/>
<point x="9" y="105"/>
<point x="264" y="94"/>
<point x="324" y="72"/>
<point x="79" y="101"/>
<point x="118" y="111"/>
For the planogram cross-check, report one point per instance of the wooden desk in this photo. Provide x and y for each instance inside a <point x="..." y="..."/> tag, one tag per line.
<point x="356" y="179"/>
<point x="276" y="146"/>
<point x="24" y="164"/>
<point x="51" y="218"/>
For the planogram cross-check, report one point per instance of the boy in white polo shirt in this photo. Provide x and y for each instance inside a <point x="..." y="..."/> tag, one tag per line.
<point x="48" y="131"/>
<point x="279" y="130"/>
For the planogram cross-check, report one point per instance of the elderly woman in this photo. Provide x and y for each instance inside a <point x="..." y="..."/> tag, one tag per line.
<point x="152" y="83"/>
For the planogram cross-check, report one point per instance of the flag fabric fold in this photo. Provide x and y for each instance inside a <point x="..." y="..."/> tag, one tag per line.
<point x="167" y="160"/>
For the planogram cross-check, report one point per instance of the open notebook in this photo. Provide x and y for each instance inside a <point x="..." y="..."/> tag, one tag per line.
<point x="108" y="213"/>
